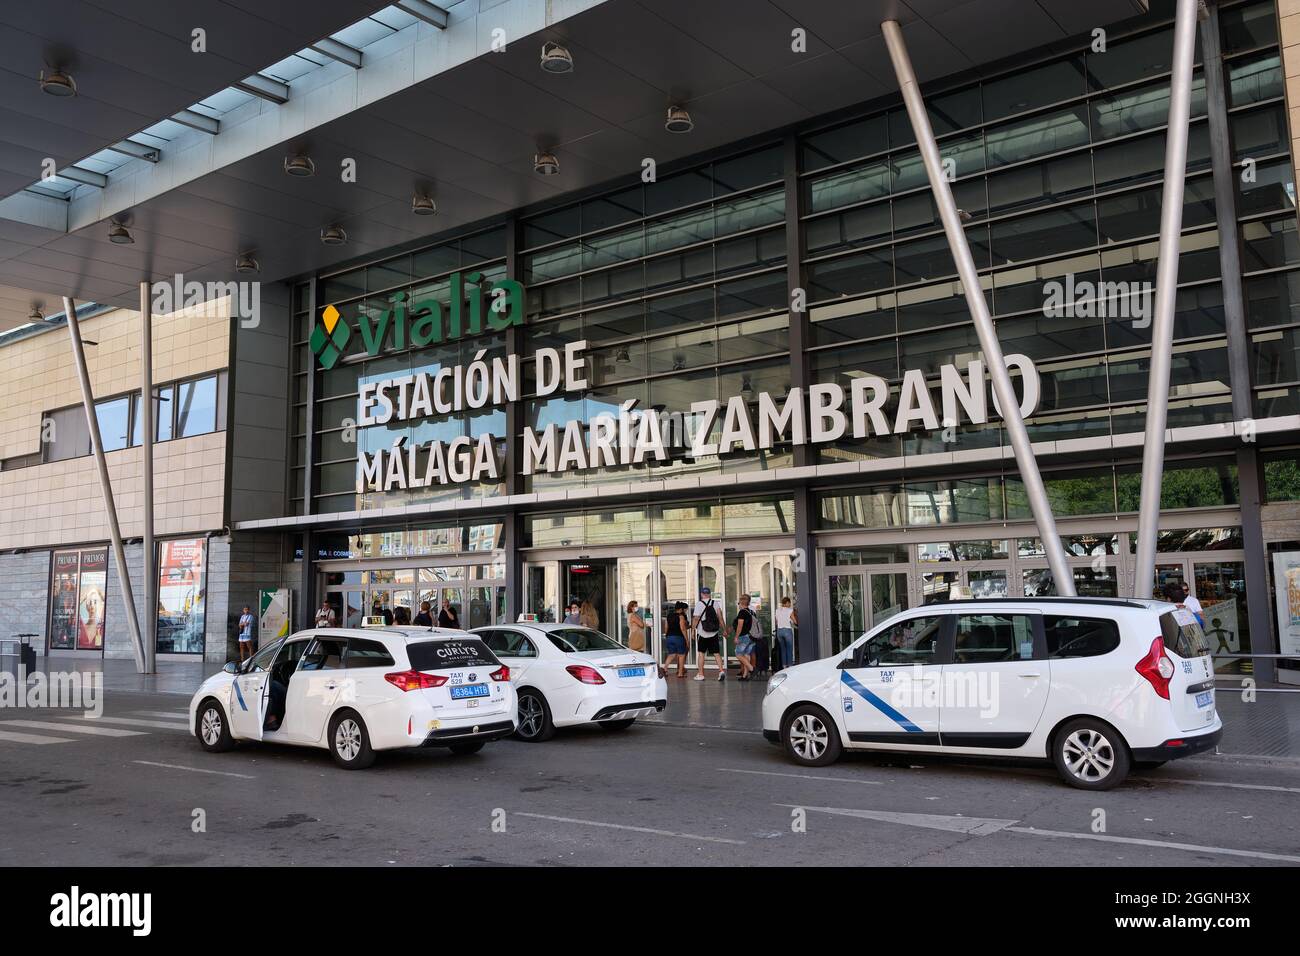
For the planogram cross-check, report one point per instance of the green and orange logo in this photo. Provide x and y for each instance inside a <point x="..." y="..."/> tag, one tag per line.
<point x="329" y="338"/>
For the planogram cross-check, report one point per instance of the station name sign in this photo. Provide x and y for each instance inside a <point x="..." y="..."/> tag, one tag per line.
<point x="625" y="435"/>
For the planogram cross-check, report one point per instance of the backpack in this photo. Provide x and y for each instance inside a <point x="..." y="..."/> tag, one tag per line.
<point x="755" y="627"/>
<point x="709" y="619"/>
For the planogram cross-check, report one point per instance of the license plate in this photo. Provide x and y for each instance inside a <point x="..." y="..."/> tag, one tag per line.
<point x="631" y="672"/>
<point x="1205" y="700"/>
<point x="469" y="690"/>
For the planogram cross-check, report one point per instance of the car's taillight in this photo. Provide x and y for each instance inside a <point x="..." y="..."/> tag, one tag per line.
<point x="414" y="680"/>
<point x="1157" y="668"/>
<point x="501" y="673"/>
<point x="588" y="675"/>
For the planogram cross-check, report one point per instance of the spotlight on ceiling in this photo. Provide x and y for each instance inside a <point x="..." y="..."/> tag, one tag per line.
<point x="678" y="121"/>
<point x="58" y="83"/>
<point x="245" y="263"/>
<point x="556" y="59"/>
<point x="119" y="234"/>
<point x="546" y="164"/>
<point x="423" y="205"/>
<point x="300" y="166"/>
<point x="36" y="315"/>
<point x="333" y="236"/>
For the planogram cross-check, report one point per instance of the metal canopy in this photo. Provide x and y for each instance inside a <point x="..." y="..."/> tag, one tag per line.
<point x="468" y="134"/>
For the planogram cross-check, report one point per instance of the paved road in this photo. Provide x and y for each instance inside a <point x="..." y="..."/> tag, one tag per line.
<point x="124" y="790"/>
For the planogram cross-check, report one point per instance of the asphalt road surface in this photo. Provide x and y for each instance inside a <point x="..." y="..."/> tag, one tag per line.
<point x="133" y="787"/>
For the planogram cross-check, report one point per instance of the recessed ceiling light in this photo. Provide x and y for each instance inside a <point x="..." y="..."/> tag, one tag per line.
<point x="36" y="315"/>
<point x="679" y="121"/>
<point x="423" y="205"/>
<point x="58" y="83"/>
<point x="246" y="263"/>
<point x="556" y="59"/>
<point x="546" y="164"/>
<point x="301" y="166"/>
<point x="119" y="234"/>
<point x="333" y="236"/>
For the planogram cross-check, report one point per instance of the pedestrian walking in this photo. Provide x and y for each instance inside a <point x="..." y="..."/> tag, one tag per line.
<point x="710" y="631"/>
<point x="785" y="620"/>
<point x="635" y="627"/>
<point x="745" y="643"/>
<point x="675" y="628"/>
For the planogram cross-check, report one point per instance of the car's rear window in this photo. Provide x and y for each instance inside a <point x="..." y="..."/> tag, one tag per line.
<point x="1183" y="634"/>
<point x="1069" y="636"/>
<point x="455" y="652"/>
<point x="574" y="639"/>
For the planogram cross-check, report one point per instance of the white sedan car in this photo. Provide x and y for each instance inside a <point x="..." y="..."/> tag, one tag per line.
<point x="567" y="675"/>
<point x="355" y="691"/>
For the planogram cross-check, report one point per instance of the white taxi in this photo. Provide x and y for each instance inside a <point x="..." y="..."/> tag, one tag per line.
<point x="567" y="675"/>
<point x="1098" y="686"/>
<point x="356" y="691"/>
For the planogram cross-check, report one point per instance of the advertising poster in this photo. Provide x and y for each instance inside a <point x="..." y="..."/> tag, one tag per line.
<point x="1221" y="626"/>
<point x="63" y="601"/>
<point x="1286" y="579"/>
<point x="273" y="614"/>
<point x="181" y="596"/>
<point x="91" y="600"/>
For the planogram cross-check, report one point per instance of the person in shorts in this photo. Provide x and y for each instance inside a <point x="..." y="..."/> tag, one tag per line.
<point x="246" y="622"/>
<point x="676" y="628"/>
<point x="745" y="644"/>
<point x="710" y="629"/>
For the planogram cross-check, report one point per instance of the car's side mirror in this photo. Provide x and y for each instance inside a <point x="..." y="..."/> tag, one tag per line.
<point x="231" y="667"/>
<point x="846" y="663"/>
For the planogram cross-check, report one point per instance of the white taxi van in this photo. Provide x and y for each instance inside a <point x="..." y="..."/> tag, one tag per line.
<point x="1098" y="686"/>
<point x="355" y="691"/>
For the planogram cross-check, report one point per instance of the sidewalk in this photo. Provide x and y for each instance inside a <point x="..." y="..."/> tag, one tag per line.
<point x="1269" y="727"/>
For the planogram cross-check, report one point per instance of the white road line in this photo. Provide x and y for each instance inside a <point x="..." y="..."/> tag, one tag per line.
<point x="176" y="766"/>
<point x="132" y="722"/>
<point x="32" y="738"/>
<point x="803" y="776"/>
<point x="163" y="714"/>
<point x="1220" y="783"/>
<point x="1196" y="848"/>
<point x="74" y="728"/>
<point x="623" y="826"/>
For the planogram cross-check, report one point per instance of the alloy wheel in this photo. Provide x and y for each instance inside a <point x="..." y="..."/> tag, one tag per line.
<point x="347" y="739"/>
<point x="1088" y="755"/>
<point x="530" y="716"/>
<point x="210" y="727"/>
<point x="808" y="736"/>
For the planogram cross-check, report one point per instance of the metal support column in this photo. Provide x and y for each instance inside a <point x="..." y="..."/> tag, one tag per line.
<point x="794" y="279"/>
<point x="1003" y="388"/>
<point x="150" y="621"/>
<point x="105" y="485"/>
<point x="1258" y="602"/>
<point x="807" y="637"/>
<point x="1162" y="327"/>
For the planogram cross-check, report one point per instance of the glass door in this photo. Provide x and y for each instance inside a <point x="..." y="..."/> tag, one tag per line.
<point x="888" y="596"/>
<point x="542" y="590"/>
<point x="636" y="582"/>
<point x="847" y="609"/>
<point x="712" y="575"/>
<point x="677" y="577"/>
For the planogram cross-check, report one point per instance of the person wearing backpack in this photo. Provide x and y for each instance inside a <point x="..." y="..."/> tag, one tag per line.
<point x="745" y="644"/>
<point x="706" y="620"/>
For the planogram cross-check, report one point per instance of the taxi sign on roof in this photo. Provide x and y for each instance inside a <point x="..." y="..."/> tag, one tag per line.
<point x="372" y="620"/>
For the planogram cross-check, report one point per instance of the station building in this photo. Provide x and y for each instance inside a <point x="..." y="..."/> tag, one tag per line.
<point x="342" y="444"/>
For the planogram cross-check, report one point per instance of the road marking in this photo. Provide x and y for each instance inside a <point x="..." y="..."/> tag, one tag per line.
<point x="132" y="722"/>
<point x="18" y="738"/>
<point x="623" y="826"/>
<point x="978" y="826"/>
<point x="983" y="827"/>
<point x="176" y="766"/>
<point x="74" y="728"/>
<point x="802" y="776"/>
<point x="1219" y="783"/>
<point x="1195" y="848"/>
<point x="163" y="714"/>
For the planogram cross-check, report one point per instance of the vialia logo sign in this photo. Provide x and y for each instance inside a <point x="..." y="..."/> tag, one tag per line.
<point x="474" y="309"/>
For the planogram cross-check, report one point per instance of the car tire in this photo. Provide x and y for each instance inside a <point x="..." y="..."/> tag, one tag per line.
<point x="535" y="724"/>
<point x="349" y="741"/>
<point x="810" y="736"/>
<point x="612" y="725"/>
<point x="1090" y="754"/>
<point x="465" y="749"/>
<point x="212" y="729"/>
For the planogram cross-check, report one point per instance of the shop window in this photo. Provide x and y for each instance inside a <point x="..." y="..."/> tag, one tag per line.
<point x="182" y="595"/>
<point x="78" y="599"/>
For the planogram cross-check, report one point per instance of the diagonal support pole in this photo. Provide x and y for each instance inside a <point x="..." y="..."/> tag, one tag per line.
<point x="1003" y="389"/>
<point x="105" y="485"/>
<point x="1162" y="327"/>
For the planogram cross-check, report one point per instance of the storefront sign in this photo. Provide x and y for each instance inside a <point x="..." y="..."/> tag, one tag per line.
<point x="1286" y="582"/>
<point x="422" y="323"/>
<point x="274" y="613"/>
<point x="823" y="413"/>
